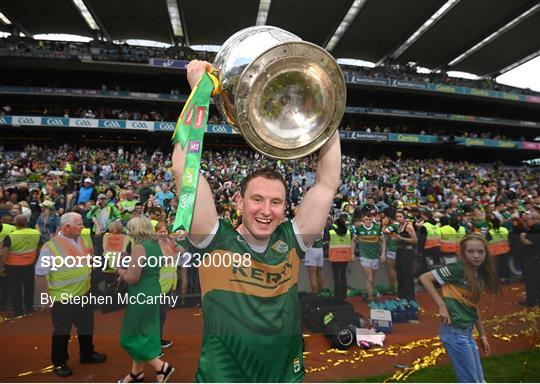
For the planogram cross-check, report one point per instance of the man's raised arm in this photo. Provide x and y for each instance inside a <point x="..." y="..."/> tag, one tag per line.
<point x="311" y="216"/>
<point x="204" y="213"/>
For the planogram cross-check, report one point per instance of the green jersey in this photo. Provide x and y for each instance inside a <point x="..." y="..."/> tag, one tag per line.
<point x="252" y="329"/>
<point x="456" y="295"/>
<point x="127" y="207"/>
<point x="391" y="243"/>
<point x="368" y="241"/>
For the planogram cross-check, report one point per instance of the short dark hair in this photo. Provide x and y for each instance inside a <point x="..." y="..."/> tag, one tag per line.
<point x="444" y="220"/>
<point x="267" y="173"/>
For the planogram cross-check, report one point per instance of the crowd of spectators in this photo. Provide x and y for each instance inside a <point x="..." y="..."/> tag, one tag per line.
<point x="116" y="171"/>
<point x="107" y="51"/>
<point x="44" y="183"/>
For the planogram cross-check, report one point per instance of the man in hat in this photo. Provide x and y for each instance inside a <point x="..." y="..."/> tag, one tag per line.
<point x="87" y="191"/>
<point x="101" y="215"/>
<point x="59" y="200"/>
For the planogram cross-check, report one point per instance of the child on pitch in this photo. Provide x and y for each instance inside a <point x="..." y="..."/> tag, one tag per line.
<point x="371" y="247"/>
<point x="463" y="283"/>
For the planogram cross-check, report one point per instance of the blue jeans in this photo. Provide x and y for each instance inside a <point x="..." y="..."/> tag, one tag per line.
<point x="463" y="352"/>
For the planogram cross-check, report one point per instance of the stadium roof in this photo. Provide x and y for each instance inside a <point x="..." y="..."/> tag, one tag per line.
<point x="484" y="37"/>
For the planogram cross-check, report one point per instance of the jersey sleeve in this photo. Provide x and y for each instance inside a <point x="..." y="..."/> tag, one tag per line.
<point x="296" y="240"/>
<point x="450" y="274"/>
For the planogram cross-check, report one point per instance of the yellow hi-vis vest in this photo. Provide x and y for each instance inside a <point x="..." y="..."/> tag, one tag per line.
<point x="339" y="247"/>
<point x="113" y="246"/>
<point x="433" y="236"/>
<point x="449" y="239"/>
<point x="6" y="230"/>
<point x="87" y="238"/>
<point x="71" y="280"/>
<point x="498" y="245"/>
<point x="24" y="245"/>
<point x="167" y="274"/>
<point x="461" y="232"/>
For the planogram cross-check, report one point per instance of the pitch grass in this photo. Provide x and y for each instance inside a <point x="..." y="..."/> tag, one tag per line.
<point x="515" y="367"/>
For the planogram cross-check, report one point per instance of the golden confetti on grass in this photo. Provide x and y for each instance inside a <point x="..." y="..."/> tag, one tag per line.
<point x="497" y="324"/>
<point x="423" y="362"/>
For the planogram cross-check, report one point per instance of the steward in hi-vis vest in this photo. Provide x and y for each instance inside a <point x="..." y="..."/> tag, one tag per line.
<point x="449" y="242"/>
<point x="340" y="247"/>
<point x="19" y="251"/>
<point x="499" y="244"/>
<point x="429" y="239"/>
<point x="63" y="270"/>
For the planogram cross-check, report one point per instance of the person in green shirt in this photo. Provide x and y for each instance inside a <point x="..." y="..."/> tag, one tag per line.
<point x="371" y="246"/>
<point x="101" y="215"/>
<point x="127" y="205"/>
<point x="252" y="329"/>
<point x="462" y="286"/>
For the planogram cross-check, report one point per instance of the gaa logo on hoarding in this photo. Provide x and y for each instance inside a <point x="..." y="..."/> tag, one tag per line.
<point x="83" y="123"/>
<point x="168" y="63"/>
<point x="111" y="124"/>
<point x="139" y="124"/>
<point x="166" y="126"/>
<point x="219" y="129"/>
<point x="54" y="122"/>
<point x="25" y="120"/>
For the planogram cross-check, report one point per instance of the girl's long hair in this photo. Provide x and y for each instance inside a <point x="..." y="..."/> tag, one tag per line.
<point x="484" y="278"/>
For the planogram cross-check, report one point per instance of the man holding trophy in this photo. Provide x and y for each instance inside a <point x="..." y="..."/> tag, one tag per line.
<point x="287" y="103"/>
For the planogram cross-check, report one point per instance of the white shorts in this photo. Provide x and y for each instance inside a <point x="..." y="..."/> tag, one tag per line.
<point x="391" y="254"/>
<point x="369" y="263"/>
<point x="314" y="257"/>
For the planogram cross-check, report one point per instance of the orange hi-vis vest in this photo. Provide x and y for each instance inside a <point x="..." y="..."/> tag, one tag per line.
<point x="340" y="247"/>
<point x="498" y="245"/>
<point x="433" y="236"/>
<point x="449" y="239"/>
<point x="113" y="246"/>
<point x="23" y="249"/>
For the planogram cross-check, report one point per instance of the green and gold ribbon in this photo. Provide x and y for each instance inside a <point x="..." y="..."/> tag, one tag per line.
<point x="189" y="131"/>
